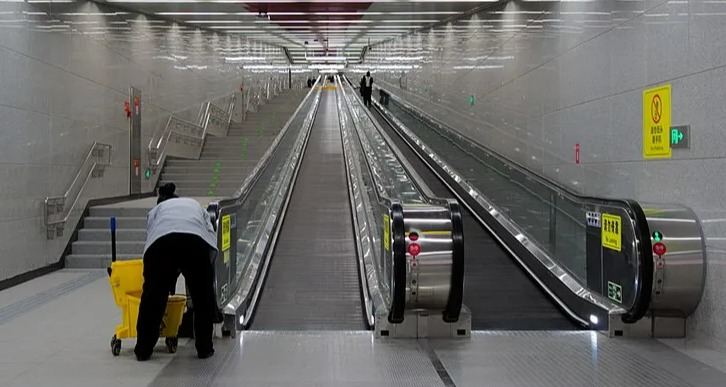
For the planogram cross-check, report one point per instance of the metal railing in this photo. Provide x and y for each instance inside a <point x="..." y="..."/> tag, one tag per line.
<point x="57" y="210"/>
<point x="254" y="213"/>
<point x="188" y="136"/>
<point x="395" y="193"/>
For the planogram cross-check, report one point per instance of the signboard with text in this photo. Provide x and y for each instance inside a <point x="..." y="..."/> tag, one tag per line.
<point x="657" y="122"/>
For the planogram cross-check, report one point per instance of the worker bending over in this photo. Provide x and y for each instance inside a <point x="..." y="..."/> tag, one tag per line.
<point x="179" y="238"/>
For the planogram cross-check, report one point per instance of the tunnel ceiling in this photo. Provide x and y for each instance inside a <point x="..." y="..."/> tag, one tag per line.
<point x="330" y="28"/>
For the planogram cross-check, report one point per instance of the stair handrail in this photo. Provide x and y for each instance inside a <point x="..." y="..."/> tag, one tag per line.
<point x="55" y="211"/>
<point x="157" y="147"/>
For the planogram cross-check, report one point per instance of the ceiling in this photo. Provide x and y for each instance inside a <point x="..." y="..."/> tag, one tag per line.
<point x="308" y="30"/>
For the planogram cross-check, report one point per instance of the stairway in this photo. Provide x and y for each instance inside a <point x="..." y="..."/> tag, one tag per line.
<point x="226" y="161"/>
<point x="224" y="164"/>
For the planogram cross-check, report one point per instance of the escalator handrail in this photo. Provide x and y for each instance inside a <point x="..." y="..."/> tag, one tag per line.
<point x="241" y="195"/>
<point x="455" y="301"/>
<point x="422" y="189"/>
<point x="641" y="231"/>
<point x="231" y="204"/>
<point x="643" y="291"/>
<point x="456" y="293"/>
<point x="398" y="301"/>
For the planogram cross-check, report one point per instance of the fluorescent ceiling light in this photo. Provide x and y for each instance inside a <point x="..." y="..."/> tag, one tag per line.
<point x="402" y="59"/>
<point x="407" y="21"/>
<point x="313" y="21"/>
<point x="327" y="66"/>
<point x="244" y="58"/>
<point x="203" y="13"/>
<point x="399" y="13"/>
<point x="231" y="21"/>
<point x="271" y="1"/>
<point x="326" y="59"/>
<point x="235" y="28"/>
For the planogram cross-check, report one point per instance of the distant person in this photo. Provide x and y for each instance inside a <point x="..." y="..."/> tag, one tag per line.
<point x="310" y="83"/>
<point x="366" y="88"/>
<point x="180" y="237"/>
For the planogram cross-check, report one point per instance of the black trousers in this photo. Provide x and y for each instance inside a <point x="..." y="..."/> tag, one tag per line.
<point x="367" y="97"/>
<point x="165" y="258"/>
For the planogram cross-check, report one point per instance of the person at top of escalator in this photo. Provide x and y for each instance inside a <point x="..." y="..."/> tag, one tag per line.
<point x="180" y="237"/>
<point x="366" y="88"/>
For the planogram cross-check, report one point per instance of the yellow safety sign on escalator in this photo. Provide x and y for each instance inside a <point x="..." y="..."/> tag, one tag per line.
<point x="611" y="229"/>
<point x="226" y="240"/>
<point x="386" y="232"/>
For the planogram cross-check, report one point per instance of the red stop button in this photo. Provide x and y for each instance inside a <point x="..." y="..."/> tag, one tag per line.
<point x="659" y="249"/>
<point x="414" y="249"/>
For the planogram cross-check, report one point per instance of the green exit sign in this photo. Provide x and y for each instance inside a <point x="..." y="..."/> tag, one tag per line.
<point x="680" y="137"/>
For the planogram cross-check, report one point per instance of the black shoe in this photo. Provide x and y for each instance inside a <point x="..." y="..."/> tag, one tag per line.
<point x="142" y="356"/>
<point x="205" y="354"/>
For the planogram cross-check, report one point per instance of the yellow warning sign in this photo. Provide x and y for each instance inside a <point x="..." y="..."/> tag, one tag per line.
<point x="657" y="122"/>
<point x="226" y="241"/>
<point x="386" y="232"/>
<point x="611" y="232"/>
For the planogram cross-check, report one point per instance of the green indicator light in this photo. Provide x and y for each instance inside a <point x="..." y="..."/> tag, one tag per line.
<point x="215" y="178"/>
<point x="657" y="236"/>
<point x="217" y="164"/>
<point x="147" y="174"/>
<point x="213" y="185"/>
<point x="210" y="193"/>
<point x="471" y="100"/>
<point x="216" y="170"/>
<point x="676" y="136"/>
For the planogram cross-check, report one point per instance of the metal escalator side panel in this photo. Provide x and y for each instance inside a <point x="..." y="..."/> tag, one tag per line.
<point x="398" y="301"/>
<point x="644" y="286"/>
<point x="258" y="214"/>
<point x="456" y="285"/>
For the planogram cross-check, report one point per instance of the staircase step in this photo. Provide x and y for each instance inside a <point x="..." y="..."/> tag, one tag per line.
<point x="251" y="153"/>
<point x="119" y="212"/>
<point x="200" y="193"/>
<point x="100" y="235"/>
<point x="208" y="164"/>
<point x="208" y="176"/>
<point x="233" y="142"/>
<point x="95" y="261"/>
<point x="105" y="222"/>
<point x="203" y="170"/>
<point x="104" y="247"/>
<point x="182" y="186"/>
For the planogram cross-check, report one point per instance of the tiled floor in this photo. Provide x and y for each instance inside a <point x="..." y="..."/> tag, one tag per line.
<point x="64" y="341"/>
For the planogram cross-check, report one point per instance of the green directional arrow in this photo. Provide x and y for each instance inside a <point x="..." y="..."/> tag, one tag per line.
<point x="215" y="178"/>
<point x="216" y="170"/>
<point x="210" y="193"/>
<point x="213" y="185"/>
<point x="217" y="164"/>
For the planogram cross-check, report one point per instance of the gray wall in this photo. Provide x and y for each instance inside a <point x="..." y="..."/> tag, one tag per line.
<point x="549" y="75"/>
<point x="65" y="70"/>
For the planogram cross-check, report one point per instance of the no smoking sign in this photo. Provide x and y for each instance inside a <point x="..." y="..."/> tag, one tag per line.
<point x="657" y="122"/>
<point x="656" y="108"/>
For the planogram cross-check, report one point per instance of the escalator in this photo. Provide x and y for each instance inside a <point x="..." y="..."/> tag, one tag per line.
<point x="313" y="279"/>
<point x="500" y="295"/>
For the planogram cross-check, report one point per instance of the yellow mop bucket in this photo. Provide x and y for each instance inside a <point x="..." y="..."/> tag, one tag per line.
<point x="127" y="279"/>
